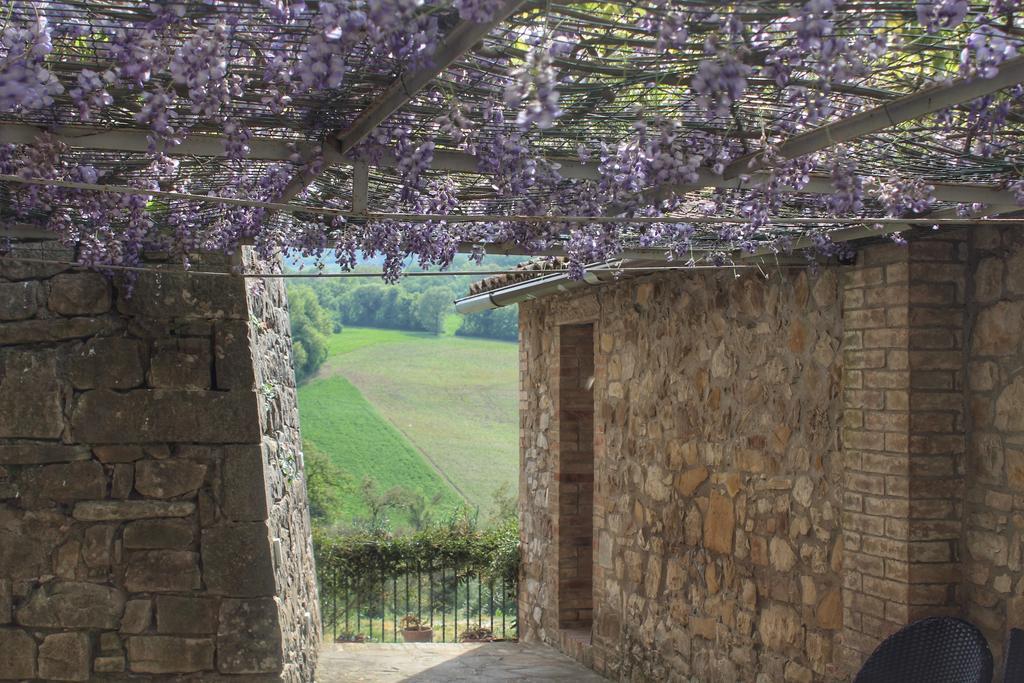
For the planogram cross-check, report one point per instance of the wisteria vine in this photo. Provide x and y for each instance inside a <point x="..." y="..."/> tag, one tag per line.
<point x="178" y="67"/>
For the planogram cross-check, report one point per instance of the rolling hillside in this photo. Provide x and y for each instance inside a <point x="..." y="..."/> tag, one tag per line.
<point x="436" y="415"/>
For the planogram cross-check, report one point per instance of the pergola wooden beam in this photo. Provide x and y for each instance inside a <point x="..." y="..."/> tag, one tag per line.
<point x="402" y="90"/>
<point x="360" y="187"/>
<point x="303" y="209"/>
<point x="886" y="115"/>
<point x="822" y="184"/>
<point x="458" y="42"/>
<point x="274" y="149"/>
<point x="136" y="140"/>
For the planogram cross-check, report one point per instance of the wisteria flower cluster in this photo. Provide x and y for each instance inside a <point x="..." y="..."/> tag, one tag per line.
<point x="1005" y="6"/>
<point x="91" y="93"/>
<point x="413" y="160"/>
<point x="201" y="65"/>
<point x="533" y="87"/>
<point x="902" y="197"/>
<point x="478" y="11"/>
<point x="848" y="198"/>
<point x="25" y="81"/>
<point x="456" y="124"/>
<point x="335" y="30"/>
<point x="986" y="48"/>
<point x="672" y="32"/>
<point x="512" y="164"/>
<point x="940" y="14"/>
<point x="721" y="80"/>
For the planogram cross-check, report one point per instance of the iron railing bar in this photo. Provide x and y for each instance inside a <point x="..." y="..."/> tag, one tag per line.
<point x="334" y="605"/>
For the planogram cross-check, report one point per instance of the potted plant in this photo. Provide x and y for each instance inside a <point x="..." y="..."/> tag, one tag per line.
<point x="415" y="632"/>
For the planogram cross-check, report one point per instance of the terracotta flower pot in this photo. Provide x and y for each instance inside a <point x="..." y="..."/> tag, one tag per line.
<point x="418" y="635"/>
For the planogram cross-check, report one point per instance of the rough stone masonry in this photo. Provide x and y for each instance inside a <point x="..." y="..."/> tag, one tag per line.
<point x="785" y="469"/>
<point x="153" y="519"/>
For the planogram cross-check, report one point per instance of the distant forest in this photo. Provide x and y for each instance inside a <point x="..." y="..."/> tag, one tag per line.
<point x="323" y="306"/>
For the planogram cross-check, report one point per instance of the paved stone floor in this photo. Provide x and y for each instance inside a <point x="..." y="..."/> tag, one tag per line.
<point x="458" y="663"/>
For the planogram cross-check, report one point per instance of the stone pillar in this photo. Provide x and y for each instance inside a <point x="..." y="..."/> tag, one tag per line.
<point x="903" y="437"/>
<point x="152" y="505"/>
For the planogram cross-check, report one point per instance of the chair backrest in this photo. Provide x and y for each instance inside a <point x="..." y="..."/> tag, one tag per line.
<point x="1013" y="658"/>
<point x="933" y="650"/>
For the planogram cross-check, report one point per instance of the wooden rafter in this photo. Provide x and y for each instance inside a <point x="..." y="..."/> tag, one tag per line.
<point x="886" y="115"/>
<point x="273" y="149"/>
<point x="402" y="90"/>
<point x="459" y="41"/>
<point x="135" y="140"/>
<point x="301" y="209"/>
<point x="360" y="187"/>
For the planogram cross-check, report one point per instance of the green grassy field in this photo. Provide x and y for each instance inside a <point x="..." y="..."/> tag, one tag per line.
<point x="354" y="338"/>
<point x="434" y="414"/>
<point x="338" y="421"/>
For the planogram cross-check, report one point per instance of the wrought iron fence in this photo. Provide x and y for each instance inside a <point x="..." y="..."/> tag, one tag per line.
<point x="458" y="603"/>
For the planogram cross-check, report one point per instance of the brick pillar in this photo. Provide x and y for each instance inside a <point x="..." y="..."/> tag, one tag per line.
<point x="903" y="440"/>
<point x="575" y="477"/>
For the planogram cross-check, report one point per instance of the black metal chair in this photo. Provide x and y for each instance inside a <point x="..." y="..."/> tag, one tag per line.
<point x="1013" y="658"/>
<point x="933" y="650"/>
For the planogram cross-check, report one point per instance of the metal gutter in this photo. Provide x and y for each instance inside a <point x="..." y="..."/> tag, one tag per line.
<point x="535" y="288"/>
<point x="560" y="282"/>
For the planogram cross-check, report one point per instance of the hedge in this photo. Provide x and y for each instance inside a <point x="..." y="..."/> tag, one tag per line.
<point x="352" y="558"/>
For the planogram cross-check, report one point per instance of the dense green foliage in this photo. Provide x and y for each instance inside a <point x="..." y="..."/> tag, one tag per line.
<point x="415" y="303"/>
<point x="311" y="324"/>
<point x="353" y="557"/>
<point x="498" y="323"/>
<point x="373" y="584"/>
<point x="327" y="485"/>
<point x="431" y="308"/>
<point x="370" y="304"/>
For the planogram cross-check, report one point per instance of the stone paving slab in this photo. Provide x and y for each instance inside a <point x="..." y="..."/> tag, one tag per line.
<point x="449" y="662"/>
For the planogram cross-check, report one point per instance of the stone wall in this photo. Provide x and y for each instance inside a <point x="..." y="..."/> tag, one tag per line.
<point x="152" y="509"/>
<point x="718" y="481"/>
<point x="770" y="502"/>
<point x="994" y="521"/>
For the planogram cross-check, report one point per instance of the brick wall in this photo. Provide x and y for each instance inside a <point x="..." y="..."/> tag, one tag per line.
<point x="903" y="311"/>
<point x="575" y="457"/>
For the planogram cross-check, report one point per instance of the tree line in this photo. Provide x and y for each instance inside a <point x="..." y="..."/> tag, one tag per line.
<point x="321" y="307"/>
